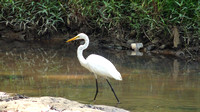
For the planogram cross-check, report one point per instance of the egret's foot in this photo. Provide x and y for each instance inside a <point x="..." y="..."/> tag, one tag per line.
<point x="117" y="104"/>
<point x="92" y="101"/>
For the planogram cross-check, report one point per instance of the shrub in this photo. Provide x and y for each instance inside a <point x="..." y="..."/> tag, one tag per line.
<point x="149" y="18"/>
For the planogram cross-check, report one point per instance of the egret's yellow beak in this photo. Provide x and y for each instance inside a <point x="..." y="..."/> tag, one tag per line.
<point x="74" y="38"/>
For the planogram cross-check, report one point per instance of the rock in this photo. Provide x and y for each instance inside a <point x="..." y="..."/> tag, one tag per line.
<point x="3" y="96"/>
<point x="162" y="46"/>
<point x="180" y="54"/>
<point x="136" y="46"/>
<point x="150" y="47"/>
<point x="135" y="53"/>
<point x="52" y="104"/>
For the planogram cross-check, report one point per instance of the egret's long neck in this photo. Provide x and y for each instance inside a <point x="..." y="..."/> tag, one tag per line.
<point x="80" y="52"/>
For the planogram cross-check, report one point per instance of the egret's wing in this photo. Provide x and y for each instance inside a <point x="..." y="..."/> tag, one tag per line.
<point x="103" y="67"/>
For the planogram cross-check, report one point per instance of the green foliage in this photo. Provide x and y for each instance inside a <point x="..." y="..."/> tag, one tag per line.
<point x="44" y="15"/>
<point x="152" y="17"/>
<point x="149" y="17"/>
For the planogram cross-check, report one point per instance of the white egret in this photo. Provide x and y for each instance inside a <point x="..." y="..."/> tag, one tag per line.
<point x="96" y="64"/>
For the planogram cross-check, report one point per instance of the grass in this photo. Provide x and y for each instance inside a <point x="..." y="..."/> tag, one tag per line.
<point x="26" y="14"/>
<point x="149" y="18"/>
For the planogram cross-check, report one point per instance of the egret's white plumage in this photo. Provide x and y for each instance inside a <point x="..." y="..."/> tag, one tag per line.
<point x="102" y="67"/>
<point x="96" y="63"/>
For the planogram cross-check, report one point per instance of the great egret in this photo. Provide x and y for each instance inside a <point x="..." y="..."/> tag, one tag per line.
<point x="96" y="64"/>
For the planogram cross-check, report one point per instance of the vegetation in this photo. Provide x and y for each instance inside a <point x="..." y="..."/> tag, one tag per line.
<point x="148" y="18"/>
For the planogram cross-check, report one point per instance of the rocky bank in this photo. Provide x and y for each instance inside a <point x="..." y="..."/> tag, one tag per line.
<point x="20" y="103"/>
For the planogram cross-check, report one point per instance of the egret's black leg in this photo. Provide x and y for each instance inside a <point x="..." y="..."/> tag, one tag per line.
<point x="112" y="90"/>
<point x="97" y="90"/>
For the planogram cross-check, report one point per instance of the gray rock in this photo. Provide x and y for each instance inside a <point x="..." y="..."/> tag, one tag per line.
<point x="162" y="46"/>
<point x="134" y="53"/>
<point x="136" y="46"/>
<point x="150" y="47"/>
<point x="180" y="54"/>
<point x="52" y="104"/>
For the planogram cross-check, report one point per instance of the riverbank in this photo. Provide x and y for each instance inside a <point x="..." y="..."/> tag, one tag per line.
<point x="167" y="27"/>
<point x="12" y="39"/>
<point x="16" y="102"/>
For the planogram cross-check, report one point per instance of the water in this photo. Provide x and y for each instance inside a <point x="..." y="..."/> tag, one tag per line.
<point x="150" y="83"/>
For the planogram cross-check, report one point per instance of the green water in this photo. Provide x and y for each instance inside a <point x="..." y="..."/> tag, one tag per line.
<point x="150" y="83"/>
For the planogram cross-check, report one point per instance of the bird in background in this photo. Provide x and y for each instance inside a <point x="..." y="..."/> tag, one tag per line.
<point x="96" y="64"/>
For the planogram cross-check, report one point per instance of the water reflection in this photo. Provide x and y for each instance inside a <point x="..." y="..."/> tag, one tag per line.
<point x="150" y="83"/>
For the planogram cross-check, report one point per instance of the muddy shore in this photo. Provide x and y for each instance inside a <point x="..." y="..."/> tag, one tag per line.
<point x="11" y="38"/>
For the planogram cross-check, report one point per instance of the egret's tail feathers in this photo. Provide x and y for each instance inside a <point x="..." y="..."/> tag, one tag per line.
<point x="117" y="76"/>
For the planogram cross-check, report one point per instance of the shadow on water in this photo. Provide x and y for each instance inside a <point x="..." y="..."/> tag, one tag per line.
<point x="150" y="83"/>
